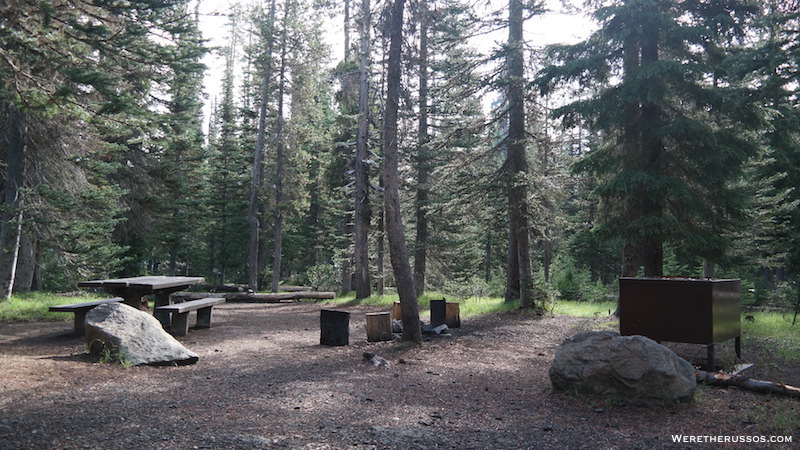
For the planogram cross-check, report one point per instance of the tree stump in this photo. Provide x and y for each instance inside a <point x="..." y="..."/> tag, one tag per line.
<point x="452" y="315"/>
<point x="334" y="327"/>
<point x="379" y="327"/>
<point x="438" y="312"/>
<point x="397" y="313"/>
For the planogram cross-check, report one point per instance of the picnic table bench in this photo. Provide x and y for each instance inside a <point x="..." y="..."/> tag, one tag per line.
<point x="180" y="313"/>
<point x="80" y="310"/>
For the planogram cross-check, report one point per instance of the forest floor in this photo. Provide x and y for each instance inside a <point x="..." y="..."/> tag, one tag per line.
<point x="263" y="381"/>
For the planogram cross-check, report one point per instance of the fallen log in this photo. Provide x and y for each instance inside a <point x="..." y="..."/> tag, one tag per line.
<point x="290" y="288"/>
<point x="747" y="383"/>
<point x="256" y="297"/>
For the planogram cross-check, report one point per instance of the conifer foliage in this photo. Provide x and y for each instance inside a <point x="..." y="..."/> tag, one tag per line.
<point x="673" y="124"/>
<point x="680" y="120"/>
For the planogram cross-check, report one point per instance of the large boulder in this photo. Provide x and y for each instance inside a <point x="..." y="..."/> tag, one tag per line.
<point x="133" y="337"/>
<point x="625" y="368"/>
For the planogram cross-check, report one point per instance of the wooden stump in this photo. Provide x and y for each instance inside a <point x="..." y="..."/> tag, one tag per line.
<point x="452" y="315"/>
<point x="438" y="315"/>
<point x="397" y="313"/>
<point x="334" y="327"/>
<point x="379" y="327"/>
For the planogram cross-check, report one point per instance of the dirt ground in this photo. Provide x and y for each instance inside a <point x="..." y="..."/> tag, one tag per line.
<point x="263" y="381"/>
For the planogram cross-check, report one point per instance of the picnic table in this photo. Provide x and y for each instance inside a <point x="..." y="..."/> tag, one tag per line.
<point x="132" y="289"/>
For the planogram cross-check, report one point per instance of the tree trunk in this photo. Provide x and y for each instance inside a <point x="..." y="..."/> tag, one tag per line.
<point x="381" y="253"/>
<point x="518" y="162"/>
<point x="653" y="148"/>
<point x="630" y="259"/>
<point x="362" y="209"/>
<point x="346" y="29"/>
<point x="512" y="264"/>
<point x="630" y="148"/>
<point x="26" y="263"/>
<point x="280" y="157"/>
<point x="253" y="223"/>
<point x="11" y="217"/>
<point x="347" y="274"/>
<point x="708" y="268"/>
<point x="398" y="252"/>
<point x="423" y="159"/>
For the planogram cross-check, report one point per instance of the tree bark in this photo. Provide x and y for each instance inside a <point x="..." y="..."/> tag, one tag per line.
<point x="398" y="252"/>
<point x="517" y="158"/>
<point x="26" y="265"/>
<point x="253" y="222"/>
<point x="512" y="264"/>
<point x="347" y="273"/>
<point x="630" y="147"/>
<point x="362" y="209"/>
<point x="346" y="29"/>
<point x="653" y="147"/>
<point x="280" y="157"/>
<point x="381" y="253"/>
<point x="11" y="217"/>
<point x="423" y="158"/>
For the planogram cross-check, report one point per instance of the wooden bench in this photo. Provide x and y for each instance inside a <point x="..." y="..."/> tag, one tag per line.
<point x="80" y="310"/>
<point x="180" y="313"/>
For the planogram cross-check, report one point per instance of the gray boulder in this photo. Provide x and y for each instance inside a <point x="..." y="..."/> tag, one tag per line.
<point x="133" y="337"/>
<point x="633" y="369"/>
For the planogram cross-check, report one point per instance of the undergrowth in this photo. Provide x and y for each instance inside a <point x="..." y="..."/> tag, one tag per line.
<point x="33" y="306"/>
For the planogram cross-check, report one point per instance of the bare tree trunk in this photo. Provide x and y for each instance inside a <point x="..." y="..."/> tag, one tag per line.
<point x="381" y="253"/>
<point x="630" y="147"/>
<point x="347" y="271"/>
<point x="11" y="217"/>
<point x="26" y="263"/>
<point x="280" y="157"/>
<point x="346" y="29"/>
<point x="708" y="268"/>
<point x="518" y="162"/>
<point x="653" y="147"/>
<point x="630" y="259"/>
<point x="512" y="264"/>
<point x="363" y="213"/>
<point x="394" y="221"/>
<point x="423" y="158"/>
<point x="258" y="160"/>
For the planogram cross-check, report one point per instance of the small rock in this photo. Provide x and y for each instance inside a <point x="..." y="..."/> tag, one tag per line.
<point x="375" y="360"/>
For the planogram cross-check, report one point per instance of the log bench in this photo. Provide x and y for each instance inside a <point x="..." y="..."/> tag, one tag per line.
<point x="80" y="310"/>
<point x="180" y="313"/>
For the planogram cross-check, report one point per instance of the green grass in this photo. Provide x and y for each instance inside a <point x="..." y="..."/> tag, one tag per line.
<point x="584" y="309"/>
<point x="477" y="306"/>
<point x="33" y="307"/>
<point x="775" y="330"/>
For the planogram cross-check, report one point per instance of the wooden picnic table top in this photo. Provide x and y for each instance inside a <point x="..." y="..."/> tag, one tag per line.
<point x="132" y="289"/>
<point x="153" y="283"/>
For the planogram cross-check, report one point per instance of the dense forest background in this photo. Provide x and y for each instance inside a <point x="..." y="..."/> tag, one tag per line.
<point x="666" y="143"/>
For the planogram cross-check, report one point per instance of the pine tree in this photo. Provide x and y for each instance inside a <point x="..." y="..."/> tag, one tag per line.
<point x="226" y="190"/>
<point x="673" y="146"/>
<point x="394" y="221"/>
<point x="61" y="66"/>
<point x="773" y="65"/>
<point x="362" y="213"/>
<point x="254" y="224"/>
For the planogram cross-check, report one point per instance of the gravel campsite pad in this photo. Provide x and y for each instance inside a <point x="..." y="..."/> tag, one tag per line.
<point x="263" y="381"/>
